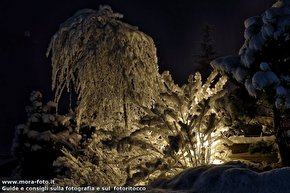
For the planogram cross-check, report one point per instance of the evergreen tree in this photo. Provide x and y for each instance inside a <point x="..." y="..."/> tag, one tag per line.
<point x="37" y="143"/>
<point x="207" y="52"/>
<point x="263" y="66"/>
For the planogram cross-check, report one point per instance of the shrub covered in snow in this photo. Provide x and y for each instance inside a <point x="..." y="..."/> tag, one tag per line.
<point x="37" y="143"/>
<point x="181" y="131"/>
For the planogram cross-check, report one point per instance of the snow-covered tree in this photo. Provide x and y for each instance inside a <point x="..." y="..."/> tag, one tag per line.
<point x="37" y="143"/>
<point x="110" y="65"/>
<point x="130" y="124"/>
<point x="263" y="65"/>
<point x="179" y="132"/>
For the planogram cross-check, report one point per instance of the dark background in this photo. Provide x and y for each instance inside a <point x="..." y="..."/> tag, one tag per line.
<point x="26" y="27"/>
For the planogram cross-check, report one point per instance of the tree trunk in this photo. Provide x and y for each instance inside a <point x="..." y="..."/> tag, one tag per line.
<point x="281" y="137"/>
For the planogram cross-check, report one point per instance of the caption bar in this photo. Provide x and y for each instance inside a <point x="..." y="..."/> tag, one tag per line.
<point x="50" y="186"/>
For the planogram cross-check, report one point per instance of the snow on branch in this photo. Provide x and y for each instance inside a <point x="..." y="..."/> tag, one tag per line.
<point x="263" y="62"/>
<point x="109" y="64"/>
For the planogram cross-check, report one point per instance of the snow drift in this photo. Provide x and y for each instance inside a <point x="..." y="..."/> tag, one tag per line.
<point x="227" y="178"/>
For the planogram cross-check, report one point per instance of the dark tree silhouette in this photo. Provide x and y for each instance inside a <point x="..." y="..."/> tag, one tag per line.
<point x="207" y="52"/>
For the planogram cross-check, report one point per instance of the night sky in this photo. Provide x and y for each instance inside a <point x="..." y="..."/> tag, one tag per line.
<point x="26" y="27"/>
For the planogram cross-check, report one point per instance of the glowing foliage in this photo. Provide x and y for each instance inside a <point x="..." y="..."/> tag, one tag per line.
<point x="181" y="131"/>
<point x="131" y="125"/>
<point x="189" y="119"/>
<point x="110" y="65"/>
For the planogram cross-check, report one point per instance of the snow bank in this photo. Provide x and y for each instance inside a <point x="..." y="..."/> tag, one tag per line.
<point x="227" y="178"/>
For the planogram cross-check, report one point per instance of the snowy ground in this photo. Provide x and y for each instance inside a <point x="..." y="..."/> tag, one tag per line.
<point x="227" y="178"/>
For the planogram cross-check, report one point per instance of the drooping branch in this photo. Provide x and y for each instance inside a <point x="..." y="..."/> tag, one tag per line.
<point x="110" y="65"/>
